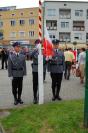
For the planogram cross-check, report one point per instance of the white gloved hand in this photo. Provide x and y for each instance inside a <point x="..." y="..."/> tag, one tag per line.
<point x="11" y="78"/>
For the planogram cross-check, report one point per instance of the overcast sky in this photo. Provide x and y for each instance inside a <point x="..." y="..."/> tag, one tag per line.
<point x="24" y="3"/>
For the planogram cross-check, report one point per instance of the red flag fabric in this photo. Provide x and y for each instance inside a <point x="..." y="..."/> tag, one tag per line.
<point x="75" y="54"/>
<point x="47" y="45"/>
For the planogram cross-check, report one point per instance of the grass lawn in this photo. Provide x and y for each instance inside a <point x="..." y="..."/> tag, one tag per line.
<point x="55" y="117"/>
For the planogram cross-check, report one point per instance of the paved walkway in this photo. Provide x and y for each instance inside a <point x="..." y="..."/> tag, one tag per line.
<point x="70" y="89"/>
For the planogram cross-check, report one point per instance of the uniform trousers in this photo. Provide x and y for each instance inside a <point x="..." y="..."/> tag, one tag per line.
<point x="4" y="61"/>
<point x="56" y="83"/>
<point x="67" y="69"/>
<point x="35" y="84"/>
<point x="17" y="84"/>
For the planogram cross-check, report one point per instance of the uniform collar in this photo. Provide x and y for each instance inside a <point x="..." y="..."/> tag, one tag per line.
<point x="56" y="50"/>
<point x="16" y="53"/>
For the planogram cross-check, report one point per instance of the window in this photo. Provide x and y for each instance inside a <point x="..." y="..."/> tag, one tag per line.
<point x="1" y="24"/>
<point x="78" y="36"/>
<point x="51" y="24"/>
<point x="79" y="13"/>
<point x="51" y="12"/>
<point x="1" y="36"/>
<point x="13" y="22"/>
<point x="87" y="13"/>
<point x="31" y="21"/>
<point x="13" y="14"/>
<point x="22" y="22"/>
<point x="21" y="33"/>
<point x="22" y="13"/>
<point x="31" y="33"/>
<point x="65" y="36"/>
<point x="13" y="34"/>
<point x="86" y="37"/>
<point x="64" y="24"/>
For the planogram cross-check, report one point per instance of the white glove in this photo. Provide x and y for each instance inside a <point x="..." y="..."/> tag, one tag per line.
<point x="11" y="78"/>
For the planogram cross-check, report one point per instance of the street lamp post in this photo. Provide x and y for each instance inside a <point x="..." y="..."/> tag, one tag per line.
<point x="86" y="94"/>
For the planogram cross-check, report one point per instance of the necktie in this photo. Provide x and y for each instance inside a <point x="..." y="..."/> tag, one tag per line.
<point x="56" y="50"/>
<point x="17" y="55"/>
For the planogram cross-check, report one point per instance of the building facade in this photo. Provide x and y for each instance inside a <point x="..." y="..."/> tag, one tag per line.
<point x="67" y="20"/>
<point x="18" y="25"/>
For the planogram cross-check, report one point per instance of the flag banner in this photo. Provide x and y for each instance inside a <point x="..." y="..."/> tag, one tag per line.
<point x="47" y="45"/>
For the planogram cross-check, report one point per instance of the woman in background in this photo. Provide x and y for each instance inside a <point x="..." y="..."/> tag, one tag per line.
<point x="81" y="63"/>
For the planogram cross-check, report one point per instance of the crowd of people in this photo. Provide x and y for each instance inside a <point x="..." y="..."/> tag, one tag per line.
<point x="62" y="63"/>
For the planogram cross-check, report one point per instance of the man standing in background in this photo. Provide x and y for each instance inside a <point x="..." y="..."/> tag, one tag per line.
<point x="69" y="59"/>
<point x="4" y="58"/>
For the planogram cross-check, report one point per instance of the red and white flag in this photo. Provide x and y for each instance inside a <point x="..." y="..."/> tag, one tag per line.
<point x="47" y="45"/>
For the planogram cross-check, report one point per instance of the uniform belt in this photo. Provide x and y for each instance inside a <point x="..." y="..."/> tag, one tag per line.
<point x="35" y="64"/>
<point x="57" y="64"/>
<point x="17" y="69"/>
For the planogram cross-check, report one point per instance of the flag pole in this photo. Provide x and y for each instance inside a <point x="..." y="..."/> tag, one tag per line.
<point x="40" y="58"/>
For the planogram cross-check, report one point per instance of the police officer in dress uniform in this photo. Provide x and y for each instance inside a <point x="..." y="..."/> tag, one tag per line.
<point x="16" y="70"/>
<point x="34" y="58"/>
<point x="57" y="64"/>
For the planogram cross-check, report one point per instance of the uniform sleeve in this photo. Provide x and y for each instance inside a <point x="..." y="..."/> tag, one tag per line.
<point x="9" y="67"/>
<point x="31" y="54"/>
<point x="25" y="69"/>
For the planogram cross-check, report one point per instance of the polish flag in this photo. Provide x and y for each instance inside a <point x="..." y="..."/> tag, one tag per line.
<point x="47" y="45"/>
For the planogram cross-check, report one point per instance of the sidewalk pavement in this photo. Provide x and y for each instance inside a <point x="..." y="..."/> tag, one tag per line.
<point x="70" y="89"/>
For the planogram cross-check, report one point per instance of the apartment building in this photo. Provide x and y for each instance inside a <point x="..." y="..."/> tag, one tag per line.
<point x="18" y="25"/>
<point x="67" y="20"/>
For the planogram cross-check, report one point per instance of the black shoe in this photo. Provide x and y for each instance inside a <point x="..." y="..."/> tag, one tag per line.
<point x="67" y="78"/>
<point x="35" y="101"/>
<point x="59" y="98"/>
<point x="54" y="98"/>
<point x="15" y="102"/>
<point x="20" y="101"/>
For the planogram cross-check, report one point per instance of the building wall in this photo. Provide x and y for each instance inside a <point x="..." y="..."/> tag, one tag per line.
<point x="72" y="6"/>
<point x="18" y="14"/>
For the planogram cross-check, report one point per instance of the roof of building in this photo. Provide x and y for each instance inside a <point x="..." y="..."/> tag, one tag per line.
<point x="66" y="1"/>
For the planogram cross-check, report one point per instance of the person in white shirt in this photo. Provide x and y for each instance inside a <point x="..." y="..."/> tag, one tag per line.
<point x="81" y="64"/>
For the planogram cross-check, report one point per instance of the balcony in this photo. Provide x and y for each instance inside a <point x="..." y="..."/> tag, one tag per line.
<point x="65" y="40"/>
<point x="65" y="14"/>
<point x="78" y="28"/>
<point x="51" y="28"/>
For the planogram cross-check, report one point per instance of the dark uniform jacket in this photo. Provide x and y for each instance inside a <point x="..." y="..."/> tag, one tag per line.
<point x="34" y="57"/>
<point x="16" y="65"/>
<point x="57" y="63"/>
